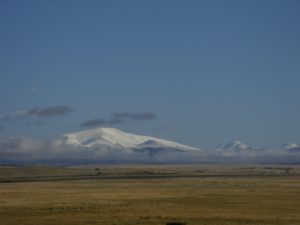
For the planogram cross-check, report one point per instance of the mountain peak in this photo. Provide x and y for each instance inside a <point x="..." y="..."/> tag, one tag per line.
<point x="115" y="138"/>
<point x="290" y="146"/>
<point x="236" y="144"/>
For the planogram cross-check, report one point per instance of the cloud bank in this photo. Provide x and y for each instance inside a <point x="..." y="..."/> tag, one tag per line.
<point x="22" y="150"/>
<point x="118" y="118"/>
<point x="59" y="110"/>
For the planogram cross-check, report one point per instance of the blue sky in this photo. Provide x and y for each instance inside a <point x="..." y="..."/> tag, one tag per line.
<point x="207" y="71"/>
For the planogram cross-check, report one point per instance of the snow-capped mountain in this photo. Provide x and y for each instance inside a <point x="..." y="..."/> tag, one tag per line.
<point x="236" y="145"/>
<point x="113" y="138"/>
<point x="110" y="145"/>
<point x="291" y="147"/>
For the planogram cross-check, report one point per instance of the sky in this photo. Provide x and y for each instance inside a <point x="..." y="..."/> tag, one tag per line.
<point x="196" y="72"/>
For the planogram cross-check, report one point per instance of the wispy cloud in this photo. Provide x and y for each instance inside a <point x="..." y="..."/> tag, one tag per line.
<point x="20" y="146"/>
<point x="13" y="116"/>
<point x="118" y="118"/>
<point x="93" y="123"/>
<point x="59" y="110"/>
<point x="52" y="111"/>
<point x="134" y="116"/>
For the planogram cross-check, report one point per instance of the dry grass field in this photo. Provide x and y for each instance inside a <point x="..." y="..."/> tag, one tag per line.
<point x="270" y="196"/>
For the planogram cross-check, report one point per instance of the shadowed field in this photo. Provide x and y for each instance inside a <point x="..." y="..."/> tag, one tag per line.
<point x="270" y="198"/>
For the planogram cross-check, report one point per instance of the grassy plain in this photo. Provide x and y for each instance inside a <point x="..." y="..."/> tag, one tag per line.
<point x="253" y="195"/>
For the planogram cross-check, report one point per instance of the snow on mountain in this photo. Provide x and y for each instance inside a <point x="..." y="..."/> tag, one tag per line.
<point x="117" y="139"/>
<point x="236" y="145"/>
<point x="291" y="147"/>
<point x="109" y="145"/>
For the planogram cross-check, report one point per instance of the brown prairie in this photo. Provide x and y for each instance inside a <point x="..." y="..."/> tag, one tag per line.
<point x="270" y="198"/>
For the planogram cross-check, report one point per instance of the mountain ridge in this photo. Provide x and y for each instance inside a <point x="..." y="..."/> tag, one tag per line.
<point x="115" y="138"/>
<point x="234" y="144"/>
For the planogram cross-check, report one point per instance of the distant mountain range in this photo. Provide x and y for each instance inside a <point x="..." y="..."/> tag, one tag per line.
<point x="237" y="145"/>
<point x="291" y="147"/>
<point x="110" y="145"/>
